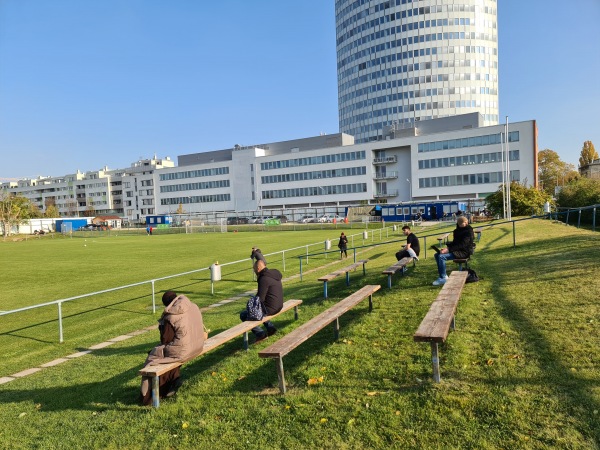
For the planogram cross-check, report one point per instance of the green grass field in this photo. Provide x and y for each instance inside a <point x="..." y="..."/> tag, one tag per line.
<point x="520" y="370"/>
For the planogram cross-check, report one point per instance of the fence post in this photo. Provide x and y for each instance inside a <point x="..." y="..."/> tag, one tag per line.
<point x="354" y="254"/>
<point x="153" y="299"/>
<point x="60" y="327"/>
<point x="283" y="257"/>
<point x="579" y="218"/>
<point x="594" y="220"/>
<point x="307" y="254"/>
<point x="425" y="245"/>
<point x="514" y="234"/>
<point x="300" y="259"/>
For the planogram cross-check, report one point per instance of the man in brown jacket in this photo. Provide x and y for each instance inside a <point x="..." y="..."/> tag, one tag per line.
<point x="181" y="337"/>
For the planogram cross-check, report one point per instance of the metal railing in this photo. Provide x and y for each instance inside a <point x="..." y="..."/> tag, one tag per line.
<point x="306" y="249"/>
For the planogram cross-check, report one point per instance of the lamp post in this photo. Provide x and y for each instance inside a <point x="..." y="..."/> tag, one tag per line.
<point x="409" y="188"/>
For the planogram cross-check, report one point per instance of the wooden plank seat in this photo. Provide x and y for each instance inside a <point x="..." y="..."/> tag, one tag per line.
<point x="156" y="370"/>
<point x="398" y="266"/>
<point x="345" y="270"/>
<point x="461" y="262"/>
<point x="442" y="239"/>
<point x="296" y="337"/>
<point x="437" y="322"/>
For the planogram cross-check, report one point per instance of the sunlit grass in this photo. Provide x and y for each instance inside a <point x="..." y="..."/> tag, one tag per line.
<point x="520" y="370"/>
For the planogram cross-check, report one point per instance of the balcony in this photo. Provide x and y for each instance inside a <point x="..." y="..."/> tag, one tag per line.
<point x="385" y="160"/>
<point x="386" y="194"/>
<point x="386" y="176"/>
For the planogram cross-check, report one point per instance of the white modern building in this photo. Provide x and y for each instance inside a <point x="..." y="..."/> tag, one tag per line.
<point x="404" y="61"/>
<point x="454" y="158"/>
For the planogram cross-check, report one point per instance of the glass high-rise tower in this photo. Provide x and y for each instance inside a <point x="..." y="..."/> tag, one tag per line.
<point x="404" y="61"/>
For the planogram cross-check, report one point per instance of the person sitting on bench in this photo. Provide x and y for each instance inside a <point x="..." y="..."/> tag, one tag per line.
<point x="270" y="293"/>
<point x="460" y="248"/>
<point x="181" y="335"/>
<point x="412" y="247"/>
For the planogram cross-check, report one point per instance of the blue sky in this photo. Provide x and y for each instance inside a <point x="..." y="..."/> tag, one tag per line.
<point x="91" y="83"/>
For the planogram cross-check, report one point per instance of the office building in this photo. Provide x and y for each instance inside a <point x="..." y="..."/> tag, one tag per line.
<point x="400" y="62"/>
<point x="451" y="158"/>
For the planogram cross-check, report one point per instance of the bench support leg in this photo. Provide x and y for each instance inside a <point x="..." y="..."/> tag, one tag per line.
<point x="364" y="269"/>
<point x="347" y="278"/>
<point x="155" y="391"/>
<point x="246" y="340"/>
<point x="389" y="281"/>
<point x="336" y="328"/>
<point x="325" y="289"/>
<point x="435" y="362"/>
<point x="295" y="313"/>
<point x="453" y="323"/>
<point x="280" y="375"/>
<point x="370" y="303"/>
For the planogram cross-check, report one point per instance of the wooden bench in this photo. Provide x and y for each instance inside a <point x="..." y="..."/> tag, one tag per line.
<point x="399" y="266"/>
<point x="156" y="370"/>
<point x="293" y="339"/>
<point x="442" y="239"/>
<point x="461" y="261"/>
<point x="478" y="233"/>
<point x="437" y="322"/>
<point x="345" y="270"/>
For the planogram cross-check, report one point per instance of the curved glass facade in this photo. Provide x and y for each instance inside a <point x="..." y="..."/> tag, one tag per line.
<point x="402" y="61"/>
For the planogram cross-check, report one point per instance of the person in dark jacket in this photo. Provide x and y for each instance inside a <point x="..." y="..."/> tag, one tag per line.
<point x="343" y="246"/>
<point x="257" y="255"/>
<point x="460" y="247"/>
<point x="270" y="292"/>
<point x="412" y="247"/>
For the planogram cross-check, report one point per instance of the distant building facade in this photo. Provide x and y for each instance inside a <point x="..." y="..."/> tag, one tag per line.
<point x="404" y="61"/>
<point x="450" y="158"/>
<point x="591" y="170"/>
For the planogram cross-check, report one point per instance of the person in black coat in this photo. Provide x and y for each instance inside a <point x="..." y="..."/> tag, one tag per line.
<point x="460" y="247"/>
<point x="270" y="292"/>
<point x="257" y="255"/>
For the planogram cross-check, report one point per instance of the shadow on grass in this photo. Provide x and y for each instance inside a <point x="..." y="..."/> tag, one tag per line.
<point x="552" y="258"/>
<point x="265" y="376"/>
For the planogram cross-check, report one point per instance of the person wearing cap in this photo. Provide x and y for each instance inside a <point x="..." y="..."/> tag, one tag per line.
<point x="257" y="255"/>
<point x="270" y="292"/>
<point x="181" y="337"/>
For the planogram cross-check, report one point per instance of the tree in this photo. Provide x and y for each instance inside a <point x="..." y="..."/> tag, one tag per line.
<point x="580" y="193"/>
<point x="552" y="171"/>
<point x="588" y="154"/>
<point x="524" y="200"/>
<point x="14" y="210"/>
<point x="179" y="209"/>
<point x="51" y="212"/>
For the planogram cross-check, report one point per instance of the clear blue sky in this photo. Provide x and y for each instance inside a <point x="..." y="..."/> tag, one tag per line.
<point x="89" y="83"/>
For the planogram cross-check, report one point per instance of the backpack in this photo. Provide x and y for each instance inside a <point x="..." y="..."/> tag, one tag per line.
<point x="472" y="277"/>
<point x="255" y="308"/>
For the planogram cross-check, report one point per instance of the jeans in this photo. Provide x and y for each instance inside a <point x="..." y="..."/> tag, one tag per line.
<point x="257" y="331"/>
<point x="440" y="259"/>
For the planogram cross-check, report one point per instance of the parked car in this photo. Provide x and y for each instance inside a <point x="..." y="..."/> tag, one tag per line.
<point x="307" y="219"/>
<point x="90" y="227"/>
<point x="253" y="219"/>
<point x="325" y="218"/>
<point x="282" y="219"/>
<point x="237" y="220"/>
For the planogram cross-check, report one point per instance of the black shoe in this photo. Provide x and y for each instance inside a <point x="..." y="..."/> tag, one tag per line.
<point x="271" y="331"/>
<point x="260" y="337"/>
<point x="174" y="387"/>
